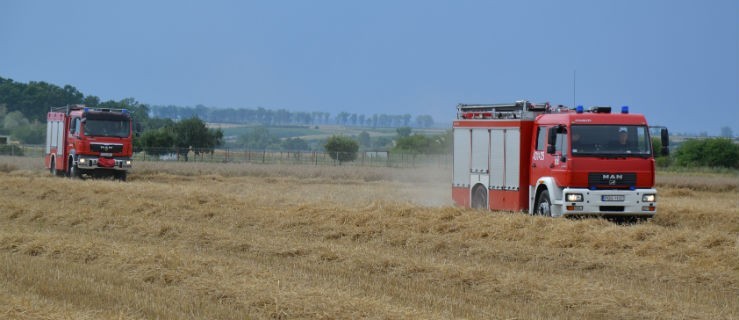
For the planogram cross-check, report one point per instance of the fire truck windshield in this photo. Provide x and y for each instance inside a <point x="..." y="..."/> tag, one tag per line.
<point x="611" y="140"/>
<point x="107" y="128"/>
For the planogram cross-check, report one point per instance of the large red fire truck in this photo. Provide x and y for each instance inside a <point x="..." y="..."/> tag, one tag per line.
<point x="554" y="161"/>
<point x="87" y="142"/>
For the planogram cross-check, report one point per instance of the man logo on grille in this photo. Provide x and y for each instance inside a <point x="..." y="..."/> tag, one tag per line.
<point x="612" y="178"/>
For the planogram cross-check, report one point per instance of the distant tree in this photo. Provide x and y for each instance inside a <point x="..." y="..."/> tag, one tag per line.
<point x="726" y="132"/>
<point x="424" y="121"/>
<point x="91" y="101"/>
<point x="403" y="132"/>
<point x="406" y="120"/>
<point x="341" y="148"/>
<point x="294" y="144"/>
<point x="32" y="133"/>
<point x="361" y="120"/>
<point x="382" y="143"/>
<point x="342" y="118"/>
<point x="416" y="143"/>
<point x="13" y="120"/>
<point x="258" y="138"/>
<point x="364" y="139"/>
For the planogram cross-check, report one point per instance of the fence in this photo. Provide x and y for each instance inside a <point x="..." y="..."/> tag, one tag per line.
<point x="231" y="155"/>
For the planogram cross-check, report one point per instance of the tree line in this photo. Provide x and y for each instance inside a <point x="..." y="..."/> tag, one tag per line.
<point x="23" y="109"/>
<point x="280" y="117"/>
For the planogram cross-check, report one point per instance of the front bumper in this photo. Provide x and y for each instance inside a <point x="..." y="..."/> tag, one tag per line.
<point x="609" y="203"/>
<point x="92" y="162"/>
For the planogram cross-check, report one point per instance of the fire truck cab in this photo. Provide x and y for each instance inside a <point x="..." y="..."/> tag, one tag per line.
<point x="554" y="161"/>
<point x="86" y="142"/>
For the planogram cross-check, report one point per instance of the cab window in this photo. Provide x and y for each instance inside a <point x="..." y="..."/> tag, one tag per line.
<point x="541" y="138"/>
<point x="75" y="126"/>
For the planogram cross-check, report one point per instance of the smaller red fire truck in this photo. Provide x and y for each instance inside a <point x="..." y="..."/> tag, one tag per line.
<point x="85" y="142"/>
<point x="554" y="161"/>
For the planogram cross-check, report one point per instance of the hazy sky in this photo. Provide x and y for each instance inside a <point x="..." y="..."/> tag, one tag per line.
<point x="675" y="61"/>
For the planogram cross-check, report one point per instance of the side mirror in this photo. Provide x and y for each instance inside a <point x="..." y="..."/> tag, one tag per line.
<point x="665" y="142"/>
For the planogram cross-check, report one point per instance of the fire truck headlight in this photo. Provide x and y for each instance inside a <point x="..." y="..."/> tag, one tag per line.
<point x="82" y="160"/>
<point x="573" y="197"/>
<point x="128" y="162"/>
<point x="649" y="198"/>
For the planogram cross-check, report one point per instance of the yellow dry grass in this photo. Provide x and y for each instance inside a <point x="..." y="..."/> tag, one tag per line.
<point x="209" y="241"/>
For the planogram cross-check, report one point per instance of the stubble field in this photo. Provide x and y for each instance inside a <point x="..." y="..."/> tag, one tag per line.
<point x="240" y="241"/>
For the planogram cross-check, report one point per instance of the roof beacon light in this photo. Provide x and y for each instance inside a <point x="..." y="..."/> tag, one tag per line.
<point x="124" y="111"/>
<point x="579" y="109"/>
<point x="624" y="109"/>
<point x="86" y="110"/>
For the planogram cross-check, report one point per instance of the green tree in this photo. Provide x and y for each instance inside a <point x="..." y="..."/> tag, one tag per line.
<point x="158" y="142"/>
<point x="364" y="139"/>
<point x="418" y="143"/>
<point x="715" y="152"/>
<point x="341" y="148"/>
<point x="192" y="134"/>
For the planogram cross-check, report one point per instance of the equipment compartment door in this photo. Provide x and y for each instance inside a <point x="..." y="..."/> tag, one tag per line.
<point x="462" y="150"/>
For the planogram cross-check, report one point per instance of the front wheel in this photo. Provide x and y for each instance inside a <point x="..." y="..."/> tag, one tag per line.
<point x="543" y="205"/>
<point x="120" y="176"/>
<point x="73" y="172"/>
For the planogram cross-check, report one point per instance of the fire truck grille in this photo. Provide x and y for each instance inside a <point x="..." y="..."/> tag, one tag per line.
<point x="604" y="179"/>
<point x="107" y="148"/>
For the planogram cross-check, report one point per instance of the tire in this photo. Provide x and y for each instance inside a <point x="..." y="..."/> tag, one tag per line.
<point x="543" y="204"/>
<point x="73" y="172"/>
<point x="479" y="197"/>
<point x="120" y="176"/>
<point x="52" y="168"/>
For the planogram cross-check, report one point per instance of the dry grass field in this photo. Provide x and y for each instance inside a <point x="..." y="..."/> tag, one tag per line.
<point x="240" y="241"/>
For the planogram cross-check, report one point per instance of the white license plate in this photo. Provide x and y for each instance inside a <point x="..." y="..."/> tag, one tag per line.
<point x="618" y="197"/>
<point x="106" y="154"/>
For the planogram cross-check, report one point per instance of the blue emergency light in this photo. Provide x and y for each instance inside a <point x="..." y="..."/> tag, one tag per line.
<point x="124" y="111"/>
<point x="624" y="109"/>
<point x="86" y="110"/>
<point x="579" y="109"/>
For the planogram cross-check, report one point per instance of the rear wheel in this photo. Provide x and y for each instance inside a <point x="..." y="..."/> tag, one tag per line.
<point x="479" y="197"/>
<point x="543" y="204"/>
<point x="52" y="168"/>
<point x="120" y="176"/>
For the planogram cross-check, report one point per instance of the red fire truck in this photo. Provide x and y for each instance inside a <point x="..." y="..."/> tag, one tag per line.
<point x="554" y="161"/>
<point x="85" y="142"/>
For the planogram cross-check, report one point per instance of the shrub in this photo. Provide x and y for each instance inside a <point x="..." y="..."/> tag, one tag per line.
<point x="715" y="152"/>
<point x="341" y="148"/>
